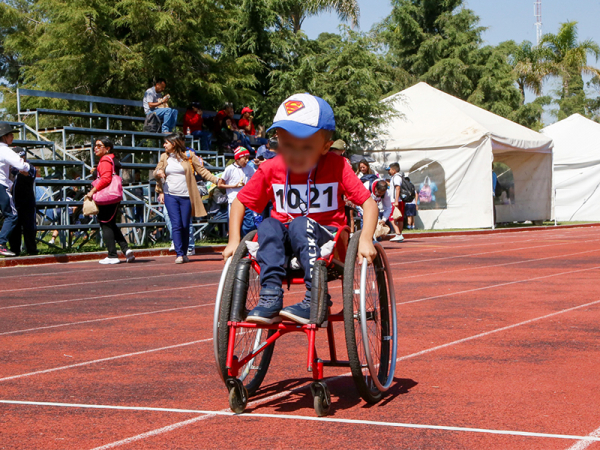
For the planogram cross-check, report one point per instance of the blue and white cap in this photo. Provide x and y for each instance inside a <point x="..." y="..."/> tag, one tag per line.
<point x="303" y="115"/>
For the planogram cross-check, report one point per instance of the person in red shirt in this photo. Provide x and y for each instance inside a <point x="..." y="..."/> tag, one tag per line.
<point x="246" y="123"/>
<point x="192" y="124"/>
<point x="109" y="166"/>
<point x="306" y="184"/>
<point x="227" y="111"/>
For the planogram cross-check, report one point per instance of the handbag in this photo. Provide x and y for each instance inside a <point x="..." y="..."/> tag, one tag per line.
<point x="113" y="193"/>
<point x="90" y="208"/>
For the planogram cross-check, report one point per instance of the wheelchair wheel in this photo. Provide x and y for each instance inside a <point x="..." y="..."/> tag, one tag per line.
<point x="241" y="276"/>
<point x="369" y="322"/>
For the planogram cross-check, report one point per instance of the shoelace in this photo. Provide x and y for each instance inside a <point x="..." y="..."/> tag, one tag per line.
<point x="268" y="301"/>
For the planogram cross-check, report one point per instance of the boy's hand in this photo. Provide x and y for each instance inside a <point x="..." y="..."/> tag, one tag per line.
<point x="230" y="249"/>
<point x="366" y="249"/>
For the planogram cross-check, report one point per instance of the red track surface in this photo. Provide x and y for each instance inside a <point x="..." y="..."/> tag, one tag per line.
<point x="497" y="333"/>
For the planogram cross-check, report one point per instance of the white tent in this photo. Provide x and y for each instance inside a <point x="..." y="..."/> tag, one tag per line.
<point x="447" y="147"/>
<point x="576" y="168"/>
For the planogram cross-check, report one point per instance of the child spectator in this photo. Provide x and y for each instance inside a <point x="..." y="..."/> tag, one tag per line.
<point x="306" y="184"/>
<point x="381" y="195"/>
<point x="23" y="193"/>
<point x="398" y="212"/>
<point x="246" y="123"/>
<point x="410" y="210"/>
<point x="234" y="179"/>
<point x="192" y="124"/>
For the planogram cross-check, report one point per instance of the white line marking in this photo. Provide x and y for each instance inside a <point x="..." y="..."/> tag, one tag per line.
<point x="499" y="265"/>
<point x="585" y="443"/>
<point x="102" y="319"/>
<point x="152" y="433"/>
<point x="112" y="280"/>
<point x="108" y="296"/>
<point x="487" y="253"/>
<point x="207" y="414"/>
<point x="110" y="358"/>
<point x="497" y="285"/>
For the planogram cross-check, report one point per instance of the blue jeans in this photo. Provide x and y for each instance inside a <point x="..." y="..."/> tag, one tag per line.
<point x="168" y="117"/>
<point x="180" y="213"/>
<point x="10" y="214"/>
<point x="204" y="137"/>
<point x="303" y="238"/>
<point x="192" y="241"/>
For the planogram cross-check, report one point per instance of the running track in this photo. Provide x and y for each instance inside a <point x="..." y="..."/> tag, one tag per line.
<point x="498" y="349"/>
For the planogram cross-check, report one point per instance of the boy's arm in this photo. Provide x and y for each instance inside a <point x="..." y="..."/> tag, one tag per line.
<point x="365" y="245"/>
<point x="397" y="196"/>
<point x="236" y="217"/>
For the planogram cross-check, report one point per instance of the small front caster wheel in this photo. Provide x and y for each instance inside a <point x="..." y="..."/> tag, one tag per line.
<point x="238" y="396"/>
<point x="321" y="398"/>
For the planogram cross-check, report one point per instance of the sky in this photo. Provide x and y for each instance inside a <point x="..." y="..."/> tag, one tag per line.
<point x="505" y="20"/>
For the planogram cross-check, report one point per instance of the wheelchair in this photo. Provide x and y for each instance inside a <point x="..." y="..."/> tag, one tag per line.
<point x="243" y="350"/>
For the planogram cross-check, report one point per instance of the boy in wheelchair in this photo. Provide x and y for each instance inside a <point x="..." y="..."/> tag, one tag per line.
<point x="306" y="184"/>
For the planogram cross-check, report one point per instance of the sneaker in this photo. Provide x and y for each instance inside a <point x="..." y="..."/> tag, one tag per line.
<point x="186" y="259"/>
<point x="51" y="241"/>
<point x="269" y="305"/>
<point x="299" y="313"/>
<point x="179" y="260"/>
<point x="191" y="251"/>
<point x="129" y="256"/>
<point x="5" y="252"/>
<point x="397" y="238"/>
<point x="172" y="247"/>
<point x="108" y="260"/>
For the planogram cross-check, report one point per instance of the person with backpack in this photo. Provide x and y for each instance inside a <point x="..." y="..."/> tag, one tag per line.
<point x="411" y="207"/>
<point x="397" y="201"/>
<point x="156" y="105"/>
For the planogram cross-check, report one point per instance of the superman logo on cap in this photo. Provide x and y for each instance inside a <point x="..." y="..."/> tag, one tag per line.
<point x="292" y="106"/>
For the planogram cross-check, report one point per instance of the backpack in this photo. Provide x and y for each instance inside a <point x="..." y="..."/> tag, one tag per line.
<point x="152" y="124"/>
<point x="407" y="190"/>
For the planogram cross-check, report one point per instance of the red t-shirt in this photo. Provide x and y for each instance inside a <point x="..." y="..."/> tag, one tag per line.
<point x="104" y="171"/>
<point x="219" y="117"/>
<point x="243" y="123"/>
<point x="331" y="179"/>
<point x="192" y="120"/>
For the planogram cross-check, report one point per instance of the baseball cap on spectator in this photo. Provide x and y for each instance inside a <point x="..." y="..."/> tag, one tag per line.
<point x="338" y="145"/>
<point x="7" y="129"/>
<point x="302" y="115"/>
<point x="240" y="152"/>
<point x="247" y="109"/>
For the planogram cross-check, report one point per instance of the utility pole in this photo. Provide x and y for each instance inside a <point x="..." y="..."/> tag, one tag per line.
<point x="537" y="11"/>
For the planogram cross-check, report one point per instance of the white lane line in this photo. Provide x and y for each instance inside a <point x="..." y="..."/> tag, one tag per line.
<point x="110" y="280"/>
<point x="207" y="414"/>
<point x="103" y="319"/>
<point x="499" y="265"/>
<point x="585" y="443"/>
<point x="492" y="286"/>
<point x="110" y="358"/>
<point x="487" y="253"/>
<point x="108" y="296"/>
<point x="152" y="433"/>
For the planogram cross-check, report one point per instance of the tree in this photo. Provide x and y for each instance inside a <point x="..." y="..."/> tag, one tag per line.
<point x="435" y="41"/>
<point x="116" y="48"/>
<point x="531" y="65"/>
<point x="570" y="57"/>
<point x="296" y="11"/>
<point x="347" y="71"/>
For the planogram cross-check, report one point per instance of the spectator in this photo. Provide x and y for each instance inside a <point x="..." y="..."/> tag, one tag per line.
<point x="234" y="179"/>
<point x="246" y="123"/>
<point x="365" y="169"/>
<point x="398" y="211"/>
<point x="8" y="159"/>
<point x="109" y="166"/>
<point x="410" y="210"/>
<point x="339" y="148"/>
<point x="264" y="153"/>
<point x="227" y="111"/>
<point x="23" y="194"/>
<point x="381" y="195"/>
<point x="192" y="124"/>
<point x="157" y="104"/>
<point x="177" y="189"/>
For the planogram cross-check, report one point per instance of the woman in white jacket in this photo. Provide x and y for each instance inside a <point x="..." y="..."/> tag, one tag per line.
<point x="8" y="159"/>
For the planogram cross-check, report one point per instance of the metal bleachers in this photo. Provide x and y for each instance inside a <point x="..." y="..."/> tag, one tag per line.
<point x="63" y="154"/>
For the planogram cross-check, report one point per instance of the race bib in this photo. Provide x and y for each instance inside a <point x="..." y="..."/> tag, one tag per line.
<point x="323" y="198"/>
